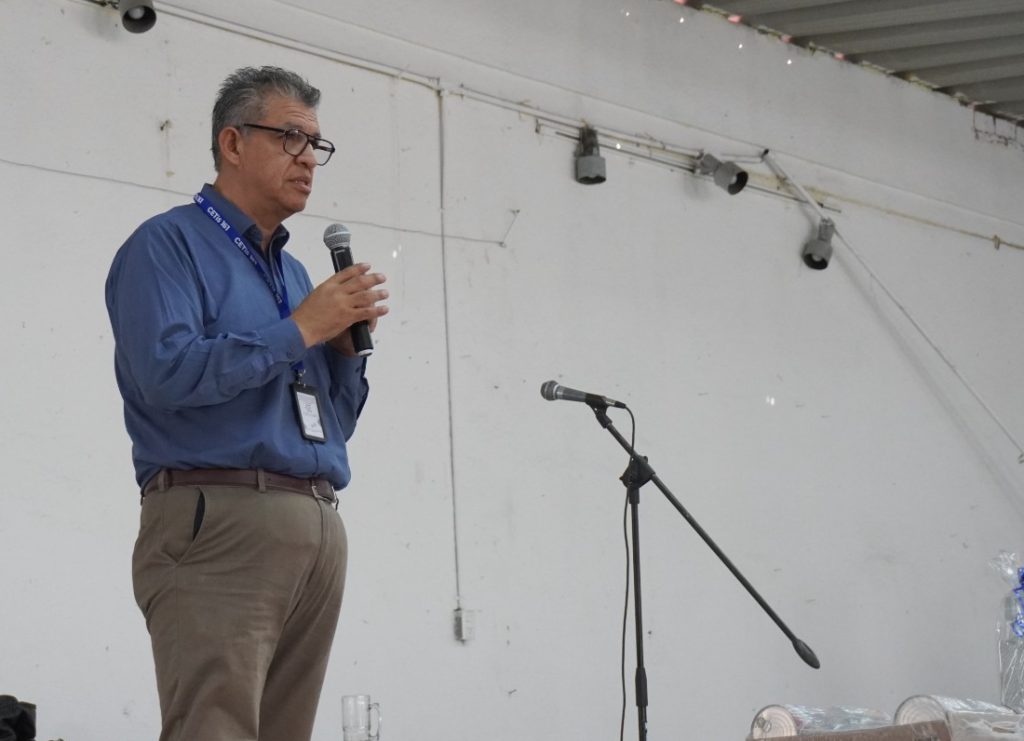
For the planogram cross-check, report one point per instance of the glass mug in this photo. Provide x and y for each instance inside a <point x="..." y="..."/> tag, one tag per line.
<point x="357" y="718"/>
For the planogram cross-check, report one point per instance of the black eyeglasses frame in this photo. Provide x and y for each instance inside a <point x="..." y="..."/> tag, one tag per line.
<point x="319" y="144"/>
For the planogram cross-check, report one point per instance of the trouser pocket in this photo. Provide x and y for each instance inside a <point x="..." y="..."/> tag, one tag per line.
<point x="176" y="522"/>
<point x="197" y="521"/>
<point x="175" y="526"/>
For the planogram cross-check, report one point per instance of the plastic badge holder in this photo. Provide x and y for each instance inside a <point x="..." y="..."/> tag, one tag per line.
<point x="777" y="721"/>
<point x="1011" y="631"/>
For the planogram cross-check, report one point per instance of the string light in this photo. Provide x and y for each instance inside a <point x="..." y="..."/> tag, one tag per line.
<point x="735" y="18"/>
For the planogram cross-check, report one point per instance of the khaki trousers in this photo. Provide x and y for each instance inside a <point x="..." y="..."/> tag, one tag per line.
<point x="241" y="590"/>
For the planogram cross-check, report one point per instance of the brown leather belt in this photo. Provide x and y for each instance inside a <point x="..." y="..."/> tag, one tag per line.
<point x="319" y="488"/>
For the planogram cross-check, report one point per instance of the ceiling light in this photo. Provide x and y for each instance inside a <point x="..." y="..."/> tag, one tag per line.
<point x="589" y="162"/>
<point x="728" y="175"/>
<point x="137" y="16"/>
<point x="818" y="250"/>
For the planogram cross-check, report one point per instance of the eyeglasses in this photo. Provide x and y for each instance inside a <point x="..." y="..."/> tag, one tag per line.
<point x="296" y="141"/>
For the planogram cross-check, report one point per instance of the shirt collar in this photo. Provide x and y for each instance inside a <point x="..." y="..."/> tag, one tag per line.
<point x="242" y="222"/>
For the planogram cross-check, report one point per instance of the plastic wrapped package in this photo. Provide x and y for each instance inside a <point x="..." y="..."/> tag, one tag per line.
<point x="968" y="720"/>
<point x="776" y="721"/>
<point x="1011" y="631"/>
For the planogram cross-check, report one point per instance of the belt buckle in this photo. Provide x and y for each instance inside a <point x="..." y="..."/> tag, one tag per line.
<point x="333" y="499"/>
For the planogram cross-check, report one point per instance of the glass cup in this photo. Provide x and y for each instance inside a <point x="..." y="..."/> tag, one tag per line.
<point x="357" y="718"/>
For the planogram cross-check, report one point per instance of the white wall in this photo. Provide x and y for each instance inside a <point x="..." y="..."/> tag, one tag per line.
<point x="799" y="416"/>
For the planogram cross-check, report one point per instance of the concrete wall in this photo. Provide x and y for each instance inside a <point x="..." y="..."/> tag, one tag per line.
<point x="811" y="426"/>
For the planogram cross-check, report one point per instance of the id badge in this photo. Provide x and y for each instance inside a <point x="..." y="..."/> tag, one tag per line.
<point x="307" y="409"/>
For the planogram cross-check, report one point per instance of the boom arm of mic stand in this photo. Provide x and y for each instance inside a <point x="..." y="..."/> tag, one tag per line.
<point x="802" y="649"/>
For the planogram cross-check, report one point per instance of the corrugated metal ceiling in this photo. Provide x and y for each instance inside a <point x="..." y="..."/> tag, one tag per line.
<point x="972" y="50"/>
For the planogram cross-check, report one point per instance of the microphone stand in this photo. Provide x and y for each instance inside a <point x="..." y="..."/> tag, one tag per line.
<point x="638" y="473"/>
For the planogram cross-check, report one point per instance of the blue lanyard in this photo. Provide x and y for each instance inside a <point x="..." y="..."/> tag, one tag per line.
<point x="280" y="295"/>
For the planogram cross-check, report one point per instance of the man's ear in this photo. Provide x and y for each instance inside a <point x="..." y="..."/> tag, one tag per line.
<point x="231" y="144"/>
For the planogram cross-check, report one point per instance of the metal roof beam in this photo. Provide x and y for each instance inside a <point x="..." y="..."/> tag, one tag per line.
<point x="1012" y="88"/>
<point x="939" y="55"/>
<point x="857" y="15"/>
<point x="759" y="7"/>
<point x="1010" y="108"/>
<point x="922" y="34"/>
<point x="962" y="74"/>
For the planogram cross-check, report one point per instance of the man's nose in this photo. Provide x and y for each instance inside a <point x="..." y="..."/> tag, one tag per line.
<point x="307" y="156"/>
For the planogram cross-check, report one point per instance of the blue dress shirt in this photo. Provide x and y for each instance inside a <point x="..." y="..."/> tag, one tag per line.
<point x="204" y="360"/>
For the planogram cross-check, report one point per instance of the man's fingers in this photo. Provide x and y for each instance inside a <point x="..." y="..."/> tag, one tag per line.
<point x="367" y="313"/>
<point x="356" y="272"/>
<point x="364" y="282"/>
<point x="368" y="298"/>
<point x="350" y="272"/>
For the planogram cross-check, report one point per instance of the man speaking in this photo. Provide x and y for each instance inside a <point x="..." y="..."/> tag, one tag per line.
<point x="241" y="386"/>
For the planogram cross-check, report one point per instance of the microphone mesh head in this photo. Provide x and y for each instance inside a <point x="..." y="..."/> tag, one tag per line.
<point x="337" y="236"/>
<point x="548" y="390"/>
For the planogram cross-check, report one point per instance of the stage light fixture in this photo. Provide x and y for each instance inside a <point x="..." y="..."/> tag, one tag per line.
<point x="728" y="176"/>
<point x="818" y="250"/>
<point x="589" y="162"/>
<point x="137" y="16"/>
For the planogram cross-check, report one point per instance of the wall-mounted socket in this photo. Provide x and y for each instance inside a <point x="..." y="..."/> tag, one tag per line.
<point x="465" y="624"/>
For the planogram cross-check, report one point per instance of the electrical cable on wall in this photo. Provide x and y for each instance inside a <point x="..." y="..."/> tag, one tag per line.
<point x="445" y="299"/>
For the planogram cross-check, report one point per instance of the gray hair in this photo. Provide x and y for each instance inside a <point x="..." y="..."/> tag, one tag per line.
<point x="243" y="98"/>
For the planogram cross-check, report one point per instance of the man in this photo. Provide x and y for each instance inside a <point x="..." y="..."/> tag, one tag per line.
<point x="241" y="386"/>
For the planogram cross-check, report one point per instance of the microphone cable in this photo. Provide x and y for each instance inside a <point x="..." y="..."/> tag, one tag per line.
<point x="625" y="607"/>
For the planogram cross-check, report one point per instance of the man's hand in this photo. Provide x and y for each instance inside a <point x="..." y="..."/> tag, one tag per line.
<point x="343" y="342"/>
<point x="339" y="302"/>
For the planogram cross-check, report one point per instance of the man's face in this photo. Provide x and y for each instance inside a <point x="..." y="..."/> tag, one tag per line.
<point x="277" y="184"/>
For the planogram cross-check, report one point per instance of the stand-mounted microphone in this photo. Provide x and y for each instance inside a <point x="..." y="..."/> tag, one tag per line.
<point x="637" y="474"/>
<point x="551" y="391"/>
<point x="338" y="239"/>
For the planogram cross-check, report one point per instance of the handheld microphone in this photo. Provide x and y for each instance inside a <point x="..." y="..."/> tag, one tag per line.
<point x="551" y="391"/>
<point x="338" y="239"/>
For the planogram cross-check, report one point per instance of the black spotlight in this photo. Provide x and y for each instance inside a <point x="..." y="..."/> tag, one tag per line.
<point x="589" y="162"/>
<point x="137" y="16"/>
<point x="728" y="176"/>
<point x="818" y="250"/>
